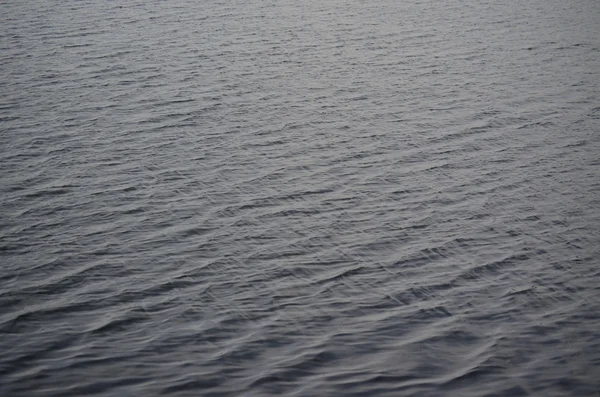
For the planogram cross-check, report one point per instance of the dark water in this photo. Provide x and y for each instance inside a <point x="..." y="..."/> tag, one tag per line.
<point x="309" y="198"/>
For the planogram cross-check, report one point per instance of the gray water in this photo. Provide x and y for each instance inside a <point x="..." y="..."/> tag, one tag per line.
<point x="309" y="198"/>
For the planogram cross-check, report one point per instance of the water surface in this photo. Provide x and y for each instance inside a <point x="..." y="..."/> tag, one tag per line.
<point x="273" y="198"/>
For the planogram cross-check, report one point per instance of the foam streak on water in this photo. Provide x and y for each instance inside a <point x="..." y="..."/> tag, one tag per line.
<point x="274" y="198"/>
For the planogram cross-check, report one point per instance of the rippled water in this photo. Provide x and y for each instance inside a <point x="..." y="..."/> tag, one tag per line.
<point x="310" y="198"/>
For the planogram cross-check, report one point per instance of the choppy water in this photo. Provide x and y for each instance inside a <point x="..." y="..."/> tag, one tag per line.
<point x="309" y="198"/>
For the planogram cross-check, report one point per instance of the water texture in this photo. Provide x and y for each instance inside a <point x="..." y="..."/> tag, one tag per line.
<point x="309" y="198"/>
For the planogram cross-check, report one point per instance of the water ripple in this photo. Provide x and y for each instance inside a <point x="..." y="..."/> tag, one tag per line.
<point x="265" y="199"/>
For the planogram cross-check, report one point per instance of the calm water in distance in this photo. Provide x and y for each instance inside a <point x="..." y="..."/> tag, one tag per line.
<point x="308" y="198"/>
